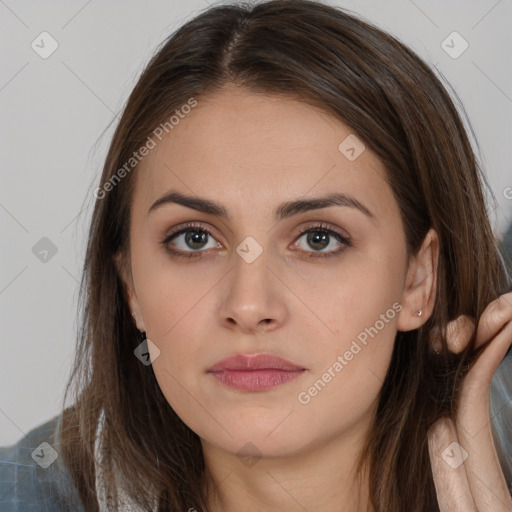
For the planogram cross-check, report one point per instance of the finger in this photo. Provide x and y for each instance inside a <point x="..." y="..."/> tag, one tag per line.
<point x="487" y="362"/>
<point x="486" y="480"/>
<point x="450" y="479"/>
<point x="495" y="316"/>
<point x="458" y="333"/>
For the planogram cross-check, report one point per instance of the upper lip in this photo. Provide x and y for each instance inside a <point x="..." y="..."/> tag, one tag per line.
<point x="254" y="362"/>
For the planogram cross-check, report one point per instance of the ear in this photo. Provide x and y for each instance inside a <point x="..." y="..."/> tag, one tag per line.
<point x="420" y="285"/>
<point x="123" y="267"/>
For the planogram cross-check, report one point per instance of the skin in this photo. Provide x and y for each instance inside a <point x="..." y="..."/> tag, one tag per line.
<point x="252" y="152"/>
<point x="478" y="484"/>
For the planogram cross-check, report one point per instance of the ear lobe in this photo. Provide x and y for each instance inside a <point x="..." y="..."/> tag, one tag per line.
<point x="420" y="286"/>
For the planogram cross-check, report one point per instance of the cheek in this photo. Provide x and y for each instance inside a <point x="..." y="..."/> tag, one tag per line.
<point x="359" y="310"/>
<point x="335" y="303"/>
<point x="346" y="298"/>
<point x="334" y="311"/>
<point x="171" y="295"/>
<point x="172" y="304"/>
<point x="352" y="361"/>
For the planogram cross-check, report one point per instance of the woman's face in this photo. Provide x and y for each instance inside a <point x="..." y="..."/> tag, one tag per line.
<point x="254" y="285"/>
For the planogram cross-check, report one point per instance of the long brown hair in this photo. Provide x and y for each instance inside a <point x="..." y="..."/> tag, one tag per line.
<point x="396" y="105"/>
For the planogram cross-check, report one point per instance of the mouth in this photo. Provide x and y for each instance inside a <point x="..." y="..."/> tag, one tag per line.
<point x="255" y="373"/>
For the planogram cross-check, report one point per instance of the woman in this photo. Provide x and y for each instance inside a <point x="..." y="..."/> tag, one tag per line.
<point x="292" y="296"/>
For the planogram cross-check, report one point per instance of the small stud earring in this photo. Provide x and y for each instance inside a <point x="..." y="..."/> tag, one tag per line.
<point x="419" y="313"/>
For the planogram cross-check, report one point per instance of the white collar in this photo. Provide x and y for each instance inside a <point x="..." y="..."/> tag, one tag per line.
<point x="123" y="502"/>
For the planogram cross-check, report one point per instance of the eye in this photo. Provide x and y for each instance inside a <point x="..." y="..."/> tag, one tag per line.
<point x="320" y="237"/>
<point x="190" y="236"/>
<point x="192" y="240"/>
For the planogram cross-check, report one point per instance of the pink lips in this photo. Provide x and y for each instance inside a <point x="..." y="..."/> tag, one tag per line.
<point x="255" y="373"/>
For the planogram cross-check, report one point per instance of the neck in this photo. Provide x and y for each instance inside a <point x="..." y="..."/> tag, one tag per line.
<point x="322" y="478"/>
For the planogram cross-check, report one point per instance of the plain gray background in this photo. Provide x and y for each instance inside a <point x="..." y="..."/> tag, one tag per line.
<point x="54" y="136"/>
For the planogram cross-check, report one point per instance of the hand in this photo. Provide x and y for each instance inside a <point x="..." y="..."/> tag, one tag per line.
<point x="469" y="478"/>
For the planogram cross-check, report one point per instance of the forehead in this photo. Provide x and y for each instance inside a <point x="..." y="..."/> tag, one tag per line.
<point x="253" y="150"/>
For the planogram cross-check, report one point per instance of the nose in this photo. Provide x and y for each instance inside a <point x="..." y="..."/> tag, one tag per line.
<point x="254" y="299"/>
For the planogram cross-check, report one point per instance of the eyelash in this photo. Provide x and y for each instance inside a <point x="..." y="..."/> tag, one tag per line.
<point x="316" y="228"/>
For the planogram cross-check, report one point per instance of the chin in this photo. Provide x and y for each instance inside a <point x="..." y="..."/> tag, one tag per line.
<point x="250" y="439"/>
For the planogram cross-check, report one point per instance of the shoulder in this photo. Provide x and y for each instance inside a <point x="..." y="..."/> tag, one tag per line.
<point x="33" y="477"/>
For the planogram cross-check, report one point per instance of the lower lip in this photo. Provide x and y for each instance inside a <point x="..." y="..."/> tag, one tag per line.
<point x="256" y="380"/>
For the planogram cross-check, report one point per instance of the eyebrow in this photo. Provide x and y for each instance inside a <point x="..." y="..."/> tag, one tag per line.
<point x="283" y="211"/>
